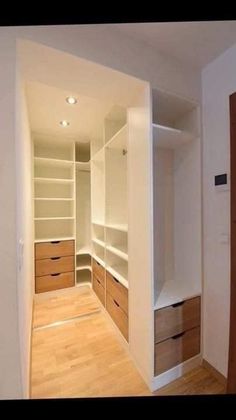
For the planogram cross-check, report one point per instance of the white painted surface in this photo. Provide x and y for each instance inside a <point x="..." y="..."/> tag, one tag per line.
<point x="10" y="359"/>
<point x="176" y="372"/>
<point x="218" y="82"/>
<point x="25" y="232"/>
<point x="192" y="43"/>
<point x="140" y="243"/>
<point x="163" y="191"/>
<point x="168" y="137"/>
<point x="97" y="43"/>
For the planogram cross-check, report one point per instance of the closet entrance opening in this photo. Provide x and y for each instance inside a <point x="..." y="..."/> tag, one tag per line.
<point x="90" y="182"/>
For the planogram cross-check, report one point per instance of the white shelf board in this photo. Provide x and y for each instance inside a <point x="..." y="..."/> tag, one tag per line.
<point x="174" y="292"/>
<point x="115" y="271"/>
<point x="168" y="137"/>
<point x="53" y="162"/>
<point x="53" y="199"/>
<point x="119" y="140"/>
<point x="84" y="267"/>
<point x="98" y="223"/>
<point x="118" y="251"/>
<point x="54" y="180"/>
<point x="121" y="227"/>
<point x="99" y="242"/>
<point x="83" y="166"/>
<point x="54" y="218"/>
<point x="99" y="260"/>
<point x="60" y="238"/>
<point x="83" y="250"/>
<point x="83" y="283"/>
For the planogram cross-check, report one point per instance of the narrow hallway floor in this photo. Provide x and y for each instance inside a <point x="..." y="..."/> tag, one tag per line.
<point x="76" y="352"/>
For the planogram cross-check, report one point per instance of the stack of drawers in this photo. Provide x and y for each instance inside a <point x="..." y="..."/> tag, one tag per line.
<point x="177" y="334"/>
<point x="117" y="303"/>
<point x="98" y="280"/>
<point x="113" y="295"/>
<point x="54" y="265"/>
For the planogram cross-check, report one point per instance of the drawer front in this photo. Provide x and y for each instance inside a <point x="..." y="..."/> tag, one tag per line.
<point x="54" y="265"/>
<point x="117" y="291"/>
<point x="54" y="282"/>
<point x="54" y="249"/>
<point x="175" y="350"/>
<point x="99" y="271"/>
<point x="118" y="315"/>
<point x="177" y="318"/>
<point x="99" y="289"/>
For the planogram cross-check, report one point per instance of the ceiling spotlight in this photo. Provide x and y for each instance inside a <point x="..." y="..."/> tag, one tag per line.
<point x="64" y="123"/>
<point x="71" y="100"/>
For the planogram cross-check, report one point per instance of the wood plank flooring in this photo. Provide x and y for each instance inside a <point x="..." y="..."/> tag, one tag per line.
<point x="85" y="358"/>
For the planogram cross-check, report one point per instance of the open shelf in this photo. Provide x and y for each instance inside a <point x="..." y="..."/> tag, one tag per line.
<point x="83" y="277"/>
<point x="58" y="238"/>
<point x="174" y="292"/>
<point x="116" y="226"/>
<point x="83" y="250"/>
<point x="54" y="180"/>
<point x="168" y="137"/>
<point x="84" y="267"/>
<point x="54" y="228"/>
<point x="83" y="166"/>
<point x="82" y="152"/>
<point x="83" y="261"/>
<point x="98" y="242"/>
<point x="97" y="223"/>
<point x="54" y="149"/>
<point x="54" y="209"/>
<point x="119" y="252"/>
<point x="53" y="162"/>
<point x="52" y="199"/>
<point x="54" y="218"/>
<point x="120" y="273"/>
<point x="98" y="186"/>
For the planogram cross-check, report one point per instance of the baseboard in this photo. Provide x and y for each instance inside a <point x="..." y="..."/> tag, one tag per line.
<point x="176" y="372"/>
<point x="219" y="376"/>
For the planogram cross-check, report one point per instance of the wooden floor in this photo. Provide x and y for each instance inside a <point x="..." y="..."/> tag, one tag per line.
<point x="85" y="358"/>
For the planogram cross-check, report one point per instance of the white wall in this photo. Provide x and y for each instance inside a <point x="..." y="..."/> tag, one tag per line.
<point x="10" y="375"/>
<point x="218" y="82"/>
<point x="99" y="44"/>
<point x="25" y="251"/>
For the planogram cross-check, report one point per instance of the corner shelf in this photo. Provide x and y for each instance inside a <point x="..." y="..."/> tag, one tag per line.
<point x="84" y="250"/>
<point x="84" y="267"/>
<point x="168" y="137"/>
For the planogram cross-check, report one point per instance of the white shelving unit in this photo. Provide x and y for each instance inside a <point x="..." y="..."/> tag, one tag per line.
<point x="177" y="220"/>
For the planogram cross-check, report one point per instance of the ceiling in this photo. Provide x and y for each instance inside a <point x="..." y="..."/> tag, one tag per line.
<point x="47" y="107"/>
<point x="192" y="43"/>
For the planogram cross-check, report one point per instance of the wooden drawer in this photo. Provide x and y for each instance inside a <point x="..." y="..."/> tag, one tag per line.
<point x="117" y="291"/>
<point x="99" y="271"/>
<point x="118" y="315"/>
<point x="99" y="289"/>
<point x="54" y="249"/>
<point x="176" y="319"/>
<point x="175" y="350"/>
<point x="53" y="282"/>
<point x="54" y="265"/>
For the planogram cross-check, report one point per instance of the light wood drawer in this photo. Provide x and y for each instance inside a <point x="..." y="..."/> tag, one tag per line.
<point x="177" y="349"/>
<point x="53" y="282"/>
<point x="54" y="265"/>
<point x="99" y="271"/>
<point x="177" y="318"/>
<point x="99" y="289"/>
<point x="54" y="249"/>
<point x="117" y="291"/>
<point x="118" y="315"/>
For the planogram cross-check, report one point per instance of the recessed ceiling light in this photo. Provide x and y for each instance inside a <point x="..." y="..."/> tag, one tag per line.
<point x="71" y="100"/>
<point x="64" y="123"/>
